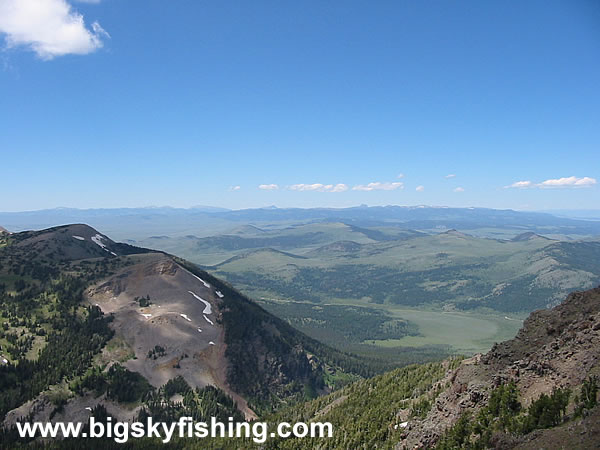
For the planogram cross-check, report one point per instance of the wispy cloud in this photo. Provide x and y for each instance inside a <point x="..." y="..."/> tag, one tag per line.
<point x="234" y="188"/>
<point x="420" y="188"/>
<point x="268" y="187"/>
<point x="568" y="182"/>
<point x="400" y="175"/>
<point x="340" y="187"/>
<point x="459" y="189"/>
<point x="377" y="186"/>
<point x="451" y="175"/>
<point x="520" y="185"/>
<point x="50" y="28"/>
<point x="565" y="182"/>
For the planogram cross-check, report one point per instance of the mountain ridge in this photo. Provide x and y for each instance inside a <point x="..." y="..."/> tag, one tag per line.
<point x="167" y="317"/>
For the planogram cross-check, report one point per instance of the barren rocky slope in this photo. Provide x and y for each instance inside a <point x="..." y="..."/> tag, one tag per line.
<point x="556" y="348"/>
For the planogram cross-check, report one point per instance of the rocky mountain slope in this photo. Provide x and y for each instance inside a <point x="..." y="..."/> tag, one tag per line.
<point x="162" y="318"/>
<point x="556" y="348"/>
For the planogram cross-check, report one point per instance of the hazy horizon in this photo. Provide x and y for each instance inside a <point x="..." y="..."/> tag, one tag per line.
<point x="583" y="213"/>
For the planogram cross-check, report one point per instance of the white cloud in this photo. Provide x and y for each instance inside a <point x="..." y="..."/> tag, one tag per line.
<point x="48" y="27"/>
<point x="420" y="188"/>
<point x="451" y="175"/>
<point x="568" y="182"/>
<point x="520" y="185"/>
<point x="340" y="187"/>
<point x="377" y="186"/>
<point x="234" y="188"/>
<point x="400" y="175"/>
<point x="459" y="189"/>
<point x="268" y="187"/>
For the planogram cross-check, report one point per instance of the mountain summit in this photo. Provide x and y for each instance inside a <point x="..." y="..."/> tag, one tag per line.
<point x="528" y="236"/>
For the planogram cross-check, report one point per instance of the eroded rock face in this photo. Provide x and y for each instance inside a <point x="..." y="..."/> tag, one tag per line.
<point x="555" y="348"/>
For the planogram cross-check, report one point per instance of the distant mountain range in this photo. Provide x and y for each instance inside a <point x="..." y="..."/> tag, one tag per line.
<point x="137" y="223"/>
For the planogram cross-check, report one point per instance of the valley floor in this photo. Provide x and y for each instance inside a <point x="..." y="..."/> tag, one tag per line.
<point x="464" y="332"/>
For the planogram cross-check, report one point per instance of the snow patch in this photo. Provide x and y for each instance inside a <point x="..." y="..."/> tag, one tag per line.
<point x="206" y="285"/>
<point x="79" y="238"/>
<point x="211" y="343"/>
<point x="98" y="241"/>
<point x="88" y="408"/>
<point x="186" y="317"/>
<point x="219" y="294"/>
<point x="207" y="307"/>
<point x="199" y="330"/>
<point x="147" y="316"/>
<point x="208" y="320"/>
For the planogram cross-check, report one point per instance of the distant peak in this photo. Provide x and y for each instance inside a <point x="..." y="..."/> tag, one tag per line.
<point x="340" y="246"/>
<point x="528" y="236"/>
<point x="208" y="208"/>
<point x="454" y="232"/>
<point x="80" y="228"/>
<point x="67" y="243"/>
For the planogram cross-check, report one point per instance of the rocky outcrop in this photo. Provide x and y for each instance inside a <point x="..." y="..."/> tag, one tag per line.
<point x="555" y="348"/>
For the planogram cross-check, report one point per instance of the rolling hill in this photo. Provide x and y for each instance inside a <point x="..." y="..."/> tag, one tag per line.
<point x="446" y="270"/>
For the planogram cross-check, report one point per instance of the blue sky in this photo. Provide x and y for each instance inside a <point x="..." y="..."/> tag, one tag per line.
<point x="118" y="103"/>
